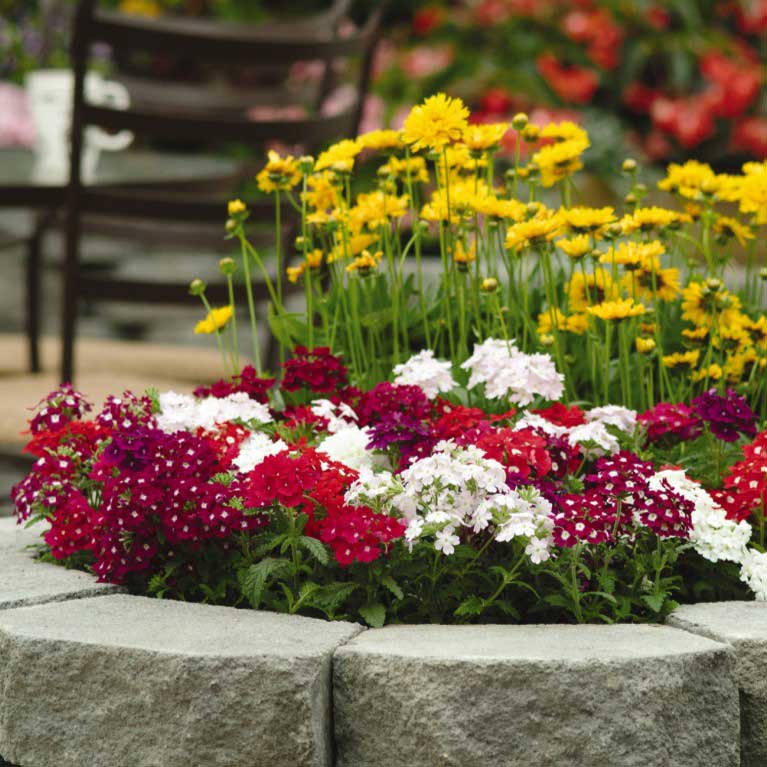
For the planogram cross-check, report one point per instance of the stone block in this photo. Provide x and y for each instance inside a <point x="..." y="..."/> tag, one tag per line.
<point x="512" y="696"/>
<point x="134" y="682"/>
<point x="743" y="625"/>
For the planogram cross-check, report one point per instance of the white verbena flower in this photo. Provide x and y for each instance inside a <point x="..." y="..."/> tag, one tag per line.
<point x="613" y="415"/>
<point x="350" y="447"/>
<point x="254" y="449"/>
<point x="446" y="541"/>
<point x="507" y="372"/>
<point x="593" y="439"/>
<point x="181" y="412"/>
<point x="339" y="417"/>
<point x="714" y="536"/>
<point x="433" y="376"/>
<point x="753" y="572"/>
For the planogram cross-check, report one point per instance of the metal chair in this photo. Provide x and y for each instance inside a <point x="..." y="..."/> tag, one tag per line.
<point x="198" y="121"/>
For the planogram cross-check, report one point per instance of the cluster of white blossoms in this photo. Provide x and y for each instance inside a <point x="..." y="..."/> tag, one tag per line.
<point x="453" y="488"/>
<point x="350" y="447"/>
<point x="506" y="372"/>
<point x="255" y="448"/>
<point x="753" y="572"/>
<point x="596" y="437"/>
<point x="433" y="376"/>
<point x="714" y="536"/>
<point x="339" y="417"/>
<point x="180" y="412"/>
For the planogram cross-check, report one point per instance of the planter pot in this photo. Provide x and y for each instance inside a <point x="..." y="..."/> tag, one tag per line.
<point x="50" y="95"/>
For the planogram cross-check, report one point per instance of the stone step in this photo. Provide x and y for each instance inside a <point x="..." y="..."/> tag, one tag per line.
<point x="134" y="682"/>
<point x="25" y="581"/>
<point x="511" y="696"/>
<point x="743" y="625"/>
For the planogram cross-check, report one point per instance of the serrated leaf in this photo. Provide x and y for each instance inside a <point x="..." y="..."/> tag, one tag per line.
<point x="315" y="548"/>
<point x="254" y="580"/>
<point x="374" y="614"/>
<point x="472" y="605"/>
<point x="392" y="585"/>
<point x="328" y="599"/>
<point x="654" y="601"/>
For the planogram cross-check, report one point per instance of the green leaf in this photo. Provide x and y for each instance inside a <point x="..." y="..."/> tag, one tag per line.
<point x="315" y="548"/>
<point x="374" y="614"/>
<point x="329" y="598"/>
<point x="392" y="585"/>
<point x="286" y="327"/>
<point x="255" y="579"/>
<point x="654" y="601"/>
<point x="472" y="605"/>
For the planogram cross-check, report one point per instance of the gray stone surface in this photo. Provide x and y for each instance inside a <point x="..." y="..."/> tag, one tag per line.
<point x="744" y="626"/>
<point x="26" y="581"/>
<point x="133" y="682"/>
<point x="553" y="696"/>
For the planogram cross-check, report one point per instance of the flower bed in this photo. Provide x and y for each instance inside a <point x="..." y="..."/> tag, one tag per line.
<point x="578" y="438"/>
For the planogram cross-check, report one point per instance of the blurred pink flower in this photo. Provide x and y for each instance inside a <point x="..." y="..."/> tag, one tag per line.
<point x="265" y="113"/>
<point x="372" y="114"/>
<point x="16" y="128"/>
<point x="424" y="60"/>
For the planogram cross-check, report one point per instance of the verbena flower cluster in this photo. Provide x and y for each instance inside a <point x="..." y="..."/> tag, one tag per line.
<point x="414" y="498"/>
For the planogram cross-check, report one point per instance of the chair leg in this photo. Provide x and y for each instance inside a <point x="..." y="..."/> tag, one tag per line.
<point x="69" y="304"/>
<point x="34" y="280"/>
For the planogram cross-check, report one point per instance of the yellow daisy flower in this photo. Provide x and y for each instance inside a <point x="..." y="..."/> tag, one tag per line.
<point x="216" y="319"/>
<point x="365" y="263"/>
<point x="582" y="220"/>
<point x="616" y="311"/>
<point x="564" y="131"/>
<point x="648" y="281"/>
<point x="647" y="219"/>
<point x="533" y="232"/>
<point x="575" y="247"/>
<point x="728" y="227"/>
<point x="339" y="157"/>
<point x="480" y="138"/>
<point x="705" y="307"/>
<point x="713" y="372"/>
<point x="437" y="122"/>
<point x="685" y="360"/>
<point x="380" y="139"/>
<point x="695" y="336"/>
<point x="594" y="288"/>
<point x="279" y="173"/>
<point x="411" y="169"/>
<point x="558" y="161"/>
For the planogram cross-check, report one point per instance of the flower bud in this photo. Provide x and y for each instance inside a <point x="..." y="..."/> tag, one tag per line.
<point x="489" y="285"/>
<point x="519" y="121"/>
<point x="630" y="199"/>
<point x="227" y="266"/>
<point x="532" y="209"/>
<point x="305" y="164"/>
<point x="197" y="287"/>
<point x="763" y="273"/>
<point x="299" y="242"/>
<point x="629" y="165"/>
<point x="230" y="225"/>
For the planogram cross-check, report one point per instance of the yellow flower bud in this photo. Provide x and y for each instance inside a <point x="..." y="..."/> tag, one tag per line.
<point x="519" y="121"/>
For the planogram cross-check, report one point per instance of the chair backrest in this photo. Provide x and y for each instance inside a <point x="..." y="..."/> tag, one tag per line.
<point x="188" y="115"/>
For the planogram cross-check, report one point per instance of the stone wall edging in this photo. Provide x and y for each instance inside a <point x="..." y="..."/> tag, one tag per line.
<point x="351" y="682"/>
